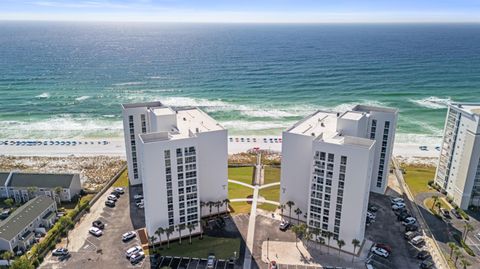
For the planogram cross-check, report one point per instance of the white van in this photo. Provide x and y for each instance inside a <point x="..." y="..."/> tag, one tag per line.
<point x="417" y="240"/>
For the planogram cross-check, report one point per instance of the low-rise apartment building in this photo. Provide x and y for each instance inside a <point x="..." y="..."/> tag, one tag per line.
<point x="458" y="170"/>
<point x="17" y="232"/>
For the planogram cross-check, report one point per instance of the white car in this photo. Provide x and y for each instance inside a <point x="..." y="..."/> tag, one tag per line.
<point x="371" y="215"/>
<point x="398" y="206"/>
<point x="139" y="203"/>
<point x="128" y="235"/>
<point x="137" y="257"/>
<point x="380" y="252"/>
<point x="397" y="200"/>
<point x="119" y="190"/>
<point x="112" y="197"/>
<point x="409" y="221"/>
<point x="138" y="197"/>
<point x="133" y="250"/>
<point x="95" y="231"/>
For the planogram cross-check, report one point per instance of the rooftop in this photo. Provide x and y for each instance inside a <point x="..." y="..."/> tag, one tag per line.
<point x="352" y="115"/>
<point x="470" y="108"/>
<point x="3" y="178"/>
<point x="41" y="180"/>
<point x="145" y="104"/>
<point x="316" y="124"/>
<point x="23" y="216"/>
<point x="365" y="108"/>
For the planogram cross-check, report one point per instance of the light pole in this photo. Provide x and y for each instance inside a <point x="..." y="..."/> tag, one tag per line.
<point x="268" y="240"/>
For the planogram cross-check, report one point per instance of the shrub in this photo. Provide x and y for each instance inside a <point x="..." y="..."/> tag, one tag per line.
<point x="430" y="183"/>
<point x="467" y="249"/>
<point x="449" y="199"/>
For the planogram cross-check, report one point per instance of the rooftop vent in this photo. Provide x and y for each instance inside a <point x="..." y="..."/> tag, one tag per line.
<point x="313" y="134"/>
<point x="322" y="124"/>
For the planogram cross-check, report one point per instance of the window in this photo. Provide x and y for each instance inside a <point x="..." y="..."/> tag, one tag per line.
<point x="331" y="157"/>
<point x="167" y="154"/>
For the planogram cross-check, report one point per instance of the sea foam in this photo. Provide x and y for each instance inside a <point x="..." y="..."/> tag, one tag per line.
<point x="44" y="95"/>
<point x="81" y="98"/>
<point x="432" y="102"/>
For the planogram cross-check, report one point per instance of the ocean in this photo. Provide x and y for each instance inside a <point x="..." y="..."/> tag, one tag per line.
<point x="67" y="80"/>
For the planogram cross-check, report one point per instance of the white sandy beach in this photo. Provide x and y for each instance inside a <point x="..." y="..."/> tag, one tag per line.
<point x="116" y="147"/>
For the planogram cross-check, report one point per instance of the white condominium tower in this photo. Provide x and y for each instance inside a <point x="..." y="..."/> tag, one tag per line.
<point x="135" y="123"/>
<point x="382" y="124"/>
<point x="183" y="161"/>
<point x="458" y="170"/>
<point x="327" y="164"/>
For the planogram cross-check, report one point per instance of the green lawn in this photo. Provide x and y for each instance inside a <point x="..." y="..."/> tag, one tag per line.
<point x="223" y="248"/>
<point x="273" y="193"/>
<point x="417" y="178"/>
<point x="243" y="174"/>
<point x="122" y="180"/>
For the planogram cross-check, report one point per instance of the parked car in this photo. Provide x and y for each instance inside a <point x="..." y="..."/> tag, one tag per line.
<point x="400" y="211"/>
<point x="112" y="197"/>
<point x="409" y="221"/>
<point x="398" y="206"/>
<point x="137" y="257"/>
<point x="423" y="255"/>
<point x="380" y="252"/>
<point x="95" y="231"/>
<point x="396" y="200"/>
<point x="385" y="247"/>
<point x="116" y="194"/>
<point x="128" y="236"/>
<point x="137" y="197"/>
<point x="133" y="250"/>
<point x="211" y="261"/>
<point x="119" y="190"/>
<point x="403" y="216"/>
<point x="445" y="213"/>
<point x="284" y="225"/>
<point x="138" y="203"/>
<point x="410" y="235"/>
<point x="99" y="224"/>
<point x="411" y="227"/>
<point x="60" y="252"/>
<point x="370" y="215"/>
<point x="110" y="203"/>
<point x="426" y="264"/>
<point x="417" y="240"/>
<point x="372" y="208"/>
<point x="455" y="213"/>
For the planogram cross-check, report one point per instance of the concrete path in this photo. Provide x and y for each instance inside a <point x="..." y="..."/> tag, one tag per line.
<point x="269" y="185"/>
<point x="240" y="183"/>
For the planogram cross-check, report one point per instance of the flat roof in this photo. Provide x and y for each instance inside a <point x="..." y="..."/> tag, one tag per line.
<point x="471" y="108"/>
<point x="352" y="115"/>
<point x="366" y="108"/>
<point x="316" y="124"/>
<point x="348" y="140"/>
<point x="144" y="104"/>
<point x="41" y="180"/>
<point x="23" y="216"/>
<point x="162" y="111"/>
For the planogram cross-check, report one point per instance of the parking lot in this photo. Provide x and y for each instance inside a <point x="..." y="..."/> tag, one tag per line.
<point x="108" y="250"/>
<point x="192" y="263"/>
<point x="388" y="230"/>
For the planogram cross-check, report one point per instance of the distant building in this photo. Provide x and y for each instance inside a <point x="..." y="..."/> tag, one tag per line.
<point x="327" y="164"/>
<point x="458" y="170"/>
<point x="17" y="232"/>
<point x="18" y="185"/>
<point x="134" y="123"/>
<point x="182" y="160"/>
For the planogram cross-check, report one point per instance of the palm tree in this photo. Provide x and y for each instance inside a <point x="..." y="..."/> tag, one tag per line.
<point x="152" y="241"/>
<point x="355" y="243"/>
<point x="226" y="202"/>
<point x="281" y="207"/>
<point x="159" y="233"/>
<point x="321" y="241"/>
<point x="218" y="204"/>
<point x="298" y="212"/>
<point x="210" y="205"/>
<point x="58" y="190"/>
<point x="465" y="263"/>
<point x="452" y="247"/>
<point x="340" y="244"/>
<point x="468" y="227"/>
<point x="191" y="227"/>
<point x="299" y="231"/>
<point x="329" y="235"/>
<point x="435" y="200"/>
<point x="180" y="228"/>
<point x="168" y="232"/>
<point x="308" y="235"/>
<point x="290" y="204"/>
<point x="316" y="232"/>
<point x="31" y="191"/>
<point x="457" y="254"/>
<point x="7" y="255"/>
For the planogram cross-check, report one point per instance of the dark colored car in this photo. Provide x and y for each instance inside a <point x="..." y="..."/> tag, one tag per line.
<point x="455" y="213"/>
<point x="400" y="211"/>
<point x="403" y="216"/>
<point x="115" y="193"/>
<point x="384" y="246"/>
<point x="372" y="208"/>
<point x="99" y="224"/>
<point x="423" y="255"/>
<point x="426" y="264"/>
<point x="110" y="203"/>
<point x="411" y="227"/>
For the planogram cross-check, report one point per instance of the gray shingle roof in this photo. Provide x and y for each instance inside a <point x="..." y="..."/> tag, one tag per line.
<point x="3" y="178"/>
<point x="23" y="216"/>
<point x="41" y="180"/>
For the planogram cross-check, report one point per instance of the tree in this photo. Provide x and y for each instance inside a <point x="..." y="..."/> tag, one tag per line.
<point x="457" y="254"/>
<point x="356" y="244"/>
<point x="9" y="202"/>
<point x="281" y="207"/>
<point x="298" y="212"/>
<point x="329" y="235"/>
<point x="31" y="191"/>
<point x="465" y="263"/>
<point x="316" y="232"/>
<point x="452" y="247"/>
<point x="210" y="204"/>
<point x="226" y="202"/>
<point x="299" y="231"/>
<point x="191" y="227"/>
<point x="7" y="255"/>
<point x="152" y="241"/>
<point x="290" y="204"/>
<point x="58" y="190"/>
<point x="21" y="263"/>
<point x="159" y="233"/>
<point x="180" y="228"/>
<point x="340" y="244"/>
<point x="168" y="232"/>
<point x="435" y="200"/>
<point x="467" y="228"/>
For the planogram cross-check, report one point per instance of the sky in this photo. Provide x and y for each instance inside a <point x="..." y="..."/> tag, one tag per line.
<point x="249" y="11"/>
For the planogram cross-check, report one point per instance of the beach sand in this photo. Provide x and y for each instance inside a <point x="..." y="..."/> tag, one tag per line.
<point x="116" y="147"/>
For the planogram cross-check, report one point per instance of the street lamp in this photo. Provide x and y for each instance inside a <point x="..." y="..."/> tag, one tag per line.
<point x="268" y="240"/>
